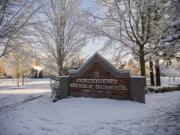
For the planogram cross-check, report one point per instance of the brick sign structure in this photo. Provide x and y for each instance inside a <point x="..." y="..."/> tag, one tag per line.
<point x="99" y="78"/>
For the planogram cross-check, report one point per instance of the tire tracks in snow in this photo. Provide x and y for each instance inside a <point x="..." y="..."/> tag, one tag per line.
<point x="10" y="107"/>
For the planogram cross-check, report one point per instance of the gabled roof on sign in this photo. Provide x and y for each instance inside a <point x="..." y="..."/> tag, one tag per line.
<point x="98" y="58"/>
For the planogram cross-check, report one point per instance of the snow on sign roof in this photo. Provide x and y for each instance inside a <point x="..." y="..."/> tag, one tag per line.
<point x="98" y="58"/>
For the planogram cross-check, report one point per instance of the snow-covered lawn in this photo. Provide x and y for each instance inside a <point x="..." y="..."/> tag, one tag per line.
<point x="165" y="81"/>
<point x="28" y="110"/>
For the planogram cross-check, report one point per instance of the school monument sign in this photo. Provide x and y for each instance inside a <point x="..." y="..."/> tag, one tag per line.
<point x="98" y="78"/>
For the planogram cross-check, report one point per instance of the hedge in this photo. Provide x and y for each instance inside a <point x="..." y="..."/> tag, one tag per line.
<point x="162" y="89"/>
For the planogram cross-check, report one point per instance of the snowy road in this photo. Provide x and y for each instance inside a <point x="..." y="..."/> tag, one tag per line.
<point x="28" y="110"/>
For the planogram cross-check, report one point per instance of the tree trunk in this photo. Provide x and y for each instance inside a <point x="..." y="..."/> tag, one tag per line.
<point x="60" y="43"/>
<point x="18" y="79"/>
<point x="60" y="67"/>
<point x="158" y="74"/>
<point x="22" y="78"/>
<point x="151" y="72"/>
<point x="142" y="61"/>
<point x="17" y="70"/>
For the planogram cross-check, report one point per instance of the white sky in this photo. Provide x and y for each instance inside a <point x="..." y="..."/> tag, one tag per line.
<point x="93" y="45"/>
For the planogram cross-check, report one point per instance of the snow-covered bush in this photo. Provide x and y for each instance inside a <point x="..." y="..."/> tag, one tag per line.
<point x="163" y="89"/>
<point x="55" y="87"/>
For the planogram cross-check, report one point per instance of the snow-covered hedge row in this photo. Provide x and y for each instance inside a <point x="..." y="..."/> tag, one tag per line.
<point x="163" y="89"/>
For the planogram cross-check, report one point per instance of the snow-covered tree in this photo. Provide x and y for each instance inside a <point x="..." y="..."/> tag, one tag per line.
<point x="174" y="25"/>
<point x="134" y="24"/>
<point x="60" y="36"/>
<point x="19" y="60"/>
<point x="14" y="16"/>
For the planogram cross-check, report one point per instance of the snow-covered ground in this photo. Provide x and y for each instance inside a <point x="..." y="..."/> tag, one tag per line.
<point x="28" y="110"/>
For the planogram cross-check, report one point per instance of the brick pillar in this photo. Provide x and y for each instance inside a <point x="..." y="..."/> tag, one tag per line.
<point x="64" y="86"/>
<point x="138" y="89"/>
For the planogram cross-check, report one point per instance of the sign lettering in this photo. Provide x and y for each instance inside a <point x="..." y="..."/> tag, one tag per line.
<point x="98" y="84"/>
